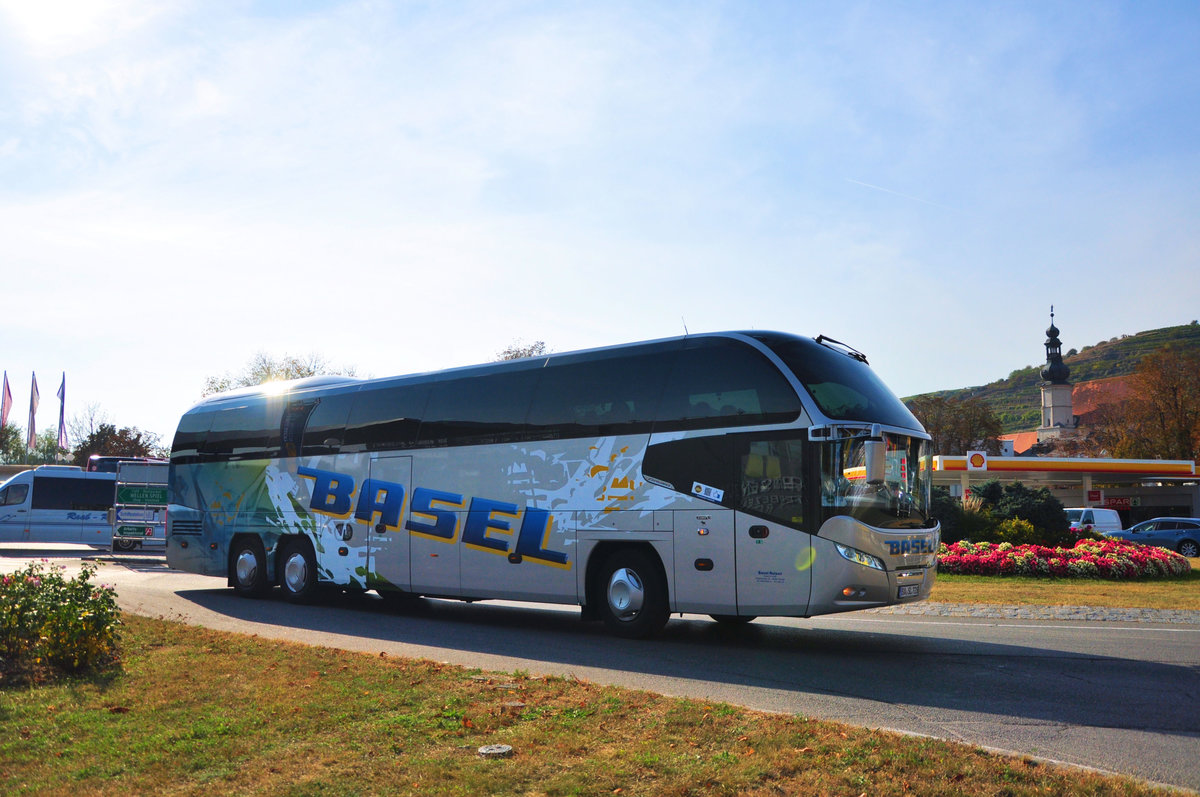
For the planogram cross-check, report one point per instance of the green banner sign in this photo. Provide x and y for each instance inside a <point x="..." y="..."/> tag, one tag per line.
<point x="132" y="531"/>
<point x="148" y="495"/>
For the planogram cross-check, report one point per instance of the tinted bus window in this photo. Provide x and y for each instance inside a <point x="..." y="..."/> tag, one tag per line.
<point x="244" y="432"/>
<point x="721" y="382"/>
<point x="598" y="397"/>
<point x="81" y="495"/>
<point x="698" y="465"/>
<point x="291" y="425"/>
<point x="386" y="418"/>
<point x="772" y="478"/>
<point x="478" y="410"/>
<point x="192" y="429"/>
<point x="326" y="427"/>
<point x="844" y="388"/>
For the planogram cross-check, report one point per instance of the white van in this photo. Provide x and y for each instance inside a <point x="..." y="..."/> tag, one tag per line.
<point x="57" y="503"/>
<point x="1090" y="518"/>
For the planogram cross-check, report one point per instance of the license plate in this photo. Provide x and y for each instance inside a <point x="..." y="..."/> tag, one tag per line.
<point x="909" y="590"/>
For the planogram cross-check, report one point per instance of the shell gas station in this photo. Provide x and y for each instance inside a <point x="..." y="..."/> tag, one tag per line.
<point x="1139" y="489"/>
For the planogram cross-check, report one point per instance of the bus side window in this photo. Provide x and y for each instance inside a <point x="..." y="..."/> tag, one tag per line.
<point x="718" y="382"/>
<point x="478" y="410"/>
<point x="249" y="431"/>
<point x="193" y="428"/>
<point x="694" y="461"/>
<point x="599" y="396"/>
<point x="385" y="419"/>
<point x="92" y="495"/>
<point x="326" y="427"/>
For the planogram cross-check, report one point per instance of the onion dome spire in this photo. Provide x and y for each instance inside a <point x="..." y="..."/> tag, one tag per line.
<point x="1056" y="371"/>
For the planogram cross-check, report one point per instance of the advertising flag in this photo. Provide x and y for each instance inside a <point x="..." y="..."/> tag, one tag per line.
<point x="5" y="401"/>
<point x="62" y="407"/>
<point x="31" y="437"/>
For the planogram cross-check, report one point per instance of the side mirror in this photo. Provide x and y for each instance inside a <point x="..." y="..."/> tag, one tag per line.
<point x="874" y="454"/>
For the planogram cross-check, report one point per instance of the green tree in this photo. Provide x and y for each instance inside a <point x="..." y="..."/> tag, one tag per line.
<point x="518" y="349"/>
<point x="46" y="450"/>
<point x="264" y="368"/>
<point x="958" y="425"/>
<point x="12" y="444"/>
<point x="108" y="440"/>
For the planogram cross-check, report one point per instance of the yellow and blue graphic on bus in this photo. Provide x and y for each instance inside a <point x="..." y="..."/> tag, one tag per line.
<point x="333" y="494"/>
<point x="522" y="504"/>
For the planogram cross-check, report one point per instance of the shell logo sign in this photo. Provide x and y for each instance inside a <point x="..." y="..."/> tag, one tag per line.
<point x="976" y="460"/>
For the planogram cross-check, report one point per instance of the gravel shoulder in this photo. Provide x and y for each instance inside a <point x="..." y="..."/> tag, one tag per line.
<point x="1077" y="613"/>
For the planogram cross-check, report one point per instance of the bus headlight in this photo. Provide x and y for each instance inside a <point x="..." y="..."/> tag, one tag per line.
<point x="859" y="558"/>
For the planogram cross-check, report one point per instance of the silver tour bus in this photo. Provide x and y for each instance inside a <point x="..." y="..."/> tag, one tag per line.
<point x="736" y="474"/>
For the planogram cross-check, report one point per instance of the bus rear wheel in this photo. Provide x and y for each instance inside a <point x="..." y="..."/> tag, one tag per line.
<point x="248" y="568"/>
<point x="298" y="572"/>
<point x="633" y="594"/>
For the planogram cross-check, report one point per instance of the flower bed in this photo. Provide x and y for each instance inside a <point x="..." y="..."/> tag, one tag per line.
<point x="1088" y="559"/>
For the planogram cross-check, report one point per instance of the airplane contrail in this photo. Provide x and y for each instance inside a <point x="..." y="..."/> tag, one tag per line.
<point x="897" y="193"/>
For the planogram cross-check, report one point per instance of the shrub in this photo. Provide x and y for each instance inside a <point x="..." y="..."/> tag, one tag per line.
<point x="1016" y="531"/>
<point x="1037" y="506"/>
<point x="48" y="622"/>
<point x="968" y="520"/>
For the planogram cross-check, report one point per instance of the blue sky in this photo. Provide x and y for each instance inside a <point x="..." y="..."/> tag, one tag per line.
<point x="401" y="187"/>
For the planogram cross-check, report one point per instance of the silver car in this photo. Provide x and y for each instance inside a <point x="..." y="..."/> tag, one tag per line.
<point x="1180" y="534"/>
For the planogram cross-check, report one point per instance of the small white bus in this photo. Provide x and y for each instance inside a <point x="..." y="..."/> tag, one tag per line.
<point x="56" y="503"/>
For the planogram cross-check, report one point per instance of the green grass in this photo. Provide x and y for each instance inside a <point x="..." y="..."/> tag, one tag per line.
<point x="1158" y="593"/>
<point x="194" y="711"/>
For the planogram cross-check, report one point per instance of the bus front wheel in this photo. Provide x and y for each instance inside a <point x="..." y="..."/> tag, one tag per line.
<point x="248" y="568"/>
<point x="298" y="572"/>
<point x="633" y="600"/>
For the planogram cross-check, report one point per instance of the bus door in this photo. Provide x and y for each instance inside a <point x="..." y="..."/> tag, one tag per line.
<point x="774" y="558"/>
<point x="387" y="539"/>
<point x="774" y="568"/>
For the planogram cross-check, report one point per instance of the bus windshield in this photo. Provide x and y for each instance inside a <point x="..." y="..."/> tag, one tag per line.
<point x="901" y="501"/>
<point x="843" y="386"/>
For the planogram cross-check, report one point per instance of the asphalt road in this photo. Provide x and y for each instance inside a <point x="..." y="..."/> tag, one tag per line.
<point x="1117" y="696"/>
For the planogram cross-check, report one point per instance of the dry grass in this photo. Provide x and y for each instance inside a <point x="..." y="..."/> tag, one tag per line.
<point x="201" y="712"/>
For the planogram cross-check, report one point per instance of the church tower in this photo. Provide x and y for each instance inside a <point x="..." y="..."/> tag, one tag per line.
<point x="1058" y="414"/>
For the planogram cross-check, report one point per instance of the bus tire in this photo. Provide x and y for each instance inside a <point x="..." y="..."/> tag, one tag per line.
<point x="633" y="594"/>
<point x="124" y="545"/>
<point x="298" y="572"/>
<point x="248" y="568"/>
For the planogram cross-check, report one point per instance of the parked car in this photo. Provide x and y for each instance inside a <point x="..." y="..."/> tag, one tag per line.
<point x="1091" y="518"/>
<point x="1180" y="534"/>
